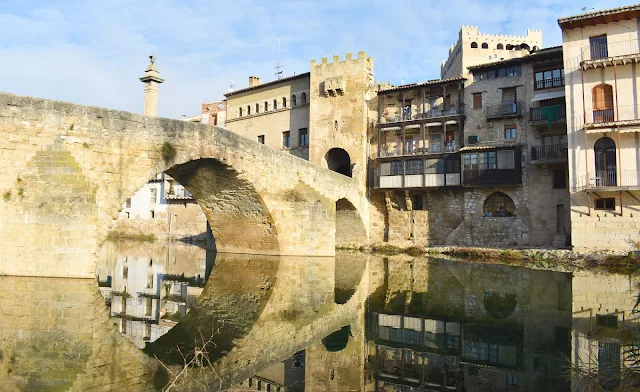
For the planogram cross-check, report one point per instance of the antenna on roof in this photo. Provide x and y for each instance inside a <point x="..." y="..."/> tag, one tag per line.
<point x="231" y="86"/>
<point x="278" y="66"/>
<point x="585" y="9"/>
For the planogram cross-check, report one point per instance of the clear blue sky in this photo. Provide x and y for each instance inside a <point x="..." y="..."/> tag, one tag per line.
<point x="93" y="52"/>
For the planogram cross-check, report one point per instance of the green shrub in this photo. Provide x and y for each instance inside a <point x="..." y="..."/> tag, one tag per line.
<point x="6" y="196"/>
<point x="169" y="152"/>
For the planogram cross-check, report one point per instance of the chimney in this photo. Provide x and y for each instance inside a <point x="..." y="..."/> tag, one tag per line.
<point x="254" y="81"/>
<point x="151" y="80"/>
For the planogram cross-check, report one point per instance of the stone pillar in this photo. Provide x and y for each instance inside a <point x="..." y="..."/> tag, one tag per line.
<point x="151" y="80"/>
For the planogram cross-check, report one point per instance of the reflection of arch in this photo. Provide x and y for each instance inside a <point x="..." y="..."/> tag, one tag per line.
<point x="339" y="161"/>
<point x="499" y="205"/>
<point x="350" y="229"/>
<point x="485" y="45"/>
<point x="337" y="340"/>
<point x="474" y="45"/>
<point x="606" y="166"/>
<point x="500" y="46"/>
<point x="500" y="305"/>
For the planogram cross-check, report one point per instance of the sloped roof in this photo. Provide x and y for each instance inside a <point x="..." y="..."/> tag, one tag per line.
<point x="601" y="16"/>
<point x="267" y="84"/>
<point x="433" y="82"/>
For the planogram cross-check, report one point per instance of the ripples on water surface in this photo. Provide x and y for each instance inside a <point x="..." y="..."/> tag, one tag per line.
<point x="352" y="323"/>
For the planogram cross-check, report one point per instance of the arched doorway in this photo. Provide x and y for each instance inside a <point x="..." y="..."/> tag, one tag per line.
<point x="605" y="152"/>
<point x="339" y="161"/>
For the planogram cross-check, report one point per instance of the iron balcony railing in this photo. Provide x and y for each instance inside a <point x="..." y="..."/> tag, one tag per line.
<point x="411" y="115"/>
<point x="603" y="50"/>
<point x="550" y="83"/>
<point x="542" y="114"/>
<point x="433" y="149"/>
<point x="609" y="179"/>
<point x="509" y="109"/>
<point x="550" y="152"/>
<point x="613" y="114"/>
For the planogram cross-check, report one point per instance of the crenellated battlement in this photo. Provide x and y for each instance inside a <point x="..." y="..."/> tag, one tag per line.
<point x="362" y="58"/>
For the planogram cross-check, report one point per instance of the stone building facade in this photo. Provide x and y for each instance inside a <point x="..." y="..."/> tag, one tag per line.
<point x="600" y="54"/>
<point x="473" y="48"/>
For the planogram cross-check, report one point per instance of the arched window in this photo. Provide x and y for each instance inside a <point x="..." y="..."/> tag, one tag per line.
<point x="284" y="102"/>
<point x="500" y="305"/>
<point x="293" y="100"/>
<point x="474" y="44"/>
<point x="605" y="151"/>
<point x="499" y="205"/>
<point x="602" y="100"/>
<point x="509" y="47"/>
<point x="266" y="106"/>
<point x="525" y="46"/>
<point x="257" y="108"/>
<point x="275" y="104"/>
<point x="239" y="112"/>
<point x="500" y="46"/>
<point x="303" y="98"/>
<point x="485" y="45"/>
<point x="248" y="110"/>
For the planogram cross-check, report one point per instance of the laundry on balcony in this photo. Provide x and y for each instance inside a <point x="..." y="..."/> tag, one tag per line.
<point x="551" y="113"/>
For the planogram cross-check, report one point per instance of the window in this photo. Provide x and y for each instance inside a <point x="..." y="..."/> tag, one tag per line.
<point x="499" y="205"/>
<point x="248" y="110"/>
<point x="477" y="101"/>
<point x="549" y="78"/>
<point x="485" y="45"/>
<point x="303" y="138"/>
<point x="500" y="46"/>
<point x="257" y="108"/>
<point x="286" y="139"/>
<point x="275" y="104"/>
<point x="391" y="168"/>
<point x="602" y="100"/>
<point x="125" y="271"/>
<point x="510" y="47"/>
<point x="147" y="331"/>
<point x="506" y="159"/>
<point x="150" y="281"/>
<point x="303" y="98"/>
<point x="335" y="125"/>
<point x="414" y="166"/>
<point x="239" y="112"/>
<point x="598" y="46"/>
<point x="608" y="203"/>
<point x="266" y="106"/>
<point x="148" y="306"/>
<point x="608" y="320"/>
<point x="418" y="202"/>
<point x="559" y="179"/>
<point x="510" y="131"/>
<point x="434" y="166"/>
<point x="488" y="161"/>
<point x="261" y="139"/>
<point x="153" y="195"/>
<point x="512" y="379"/>
<point x="284" y="102"/>
<point x="474" y="44"/>
<point x="293" y="100"/>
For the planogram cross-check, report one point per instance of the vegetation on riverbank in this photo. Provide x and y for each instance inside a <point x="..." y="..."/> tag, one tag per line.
<point x="140" y="237"/>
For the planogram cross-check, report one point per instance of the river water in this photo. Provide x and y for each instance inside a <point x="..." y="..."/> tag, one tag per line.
<point x="356" y="322"/>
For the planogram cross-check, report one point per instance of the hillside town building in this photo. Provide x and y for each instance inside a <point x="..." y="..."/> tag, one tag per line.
<point x="601" y="53"/>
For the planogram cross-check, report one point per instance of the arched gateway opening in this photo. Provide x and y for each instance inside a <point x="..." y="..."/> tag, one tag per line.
<point x="339" y="161"/>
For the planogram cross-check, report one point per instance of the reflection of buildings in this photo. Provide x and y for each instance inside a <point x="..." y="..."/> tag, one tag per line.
<point x="151" y="287"/>
<point x="163" y="206"/>
<point x="448" y="326"/>
<point x="602" y="306"/>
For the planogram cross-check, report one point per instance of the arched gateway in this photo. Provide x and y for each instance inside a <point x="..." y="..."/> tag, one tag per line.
<point x="68" y="169"/>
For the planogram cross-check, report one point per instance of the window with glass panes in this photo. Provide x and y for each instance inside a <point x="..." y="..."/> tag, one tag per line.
<point x="510" y="131"/>
<point x="549" y="78"/>
<point x="434" y="166"/>
<point x="413" y="337"/>
<point x="414" y="166"/>
<point x="303" y="137"/>
<point x="488" y="161"/>
<point x="286" y="139"/>
<point x="393" y="168"/>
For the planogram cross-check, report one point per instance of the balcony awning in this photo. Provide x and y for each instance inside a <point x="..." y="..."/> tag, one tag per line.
<point x="433" y="124"/>
<point x="451" y="122"/>
<point x="412" y="126"/>
<point x="548" y="95"/>
<point x="390" y="129"/>
<point x="627" y="129"/>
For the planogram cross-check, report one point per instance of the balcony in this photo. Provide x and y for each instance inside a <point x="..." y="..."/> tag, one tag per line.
<point x="504" y="110"/>
<point x="449" y="147"/>
<point x="410" y="115"/>
<point x="549" y="83"/>
<point x="610" y="180"/>
<point x="549" y="154"/>
<point x="418" y="173"/>
<point x="548" y="114"/>
<point x="613" y="116"/>
<point x="604" y="53"/>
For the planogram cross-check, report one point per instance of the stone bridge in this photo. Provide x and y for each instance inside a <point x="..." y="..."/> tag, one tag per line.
<point x="66" y="170"/>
